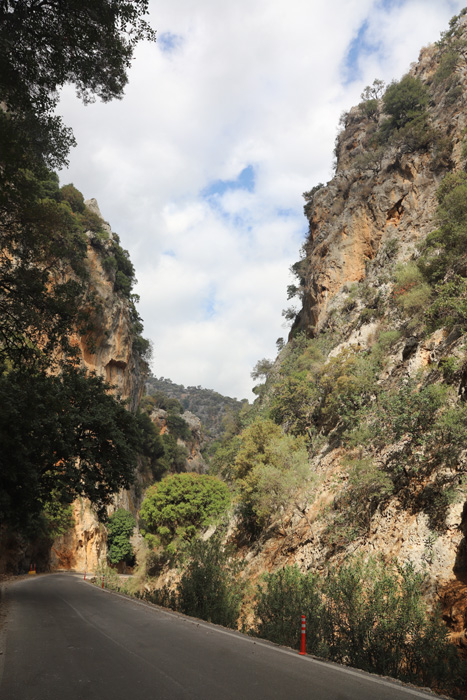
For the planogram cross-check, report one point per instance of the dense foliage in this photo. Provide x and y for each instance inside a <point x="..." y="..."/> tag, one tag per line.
<point x="62" y="437"/>
<point x="120" y="527"/>
<point x="61" y="433"/>
<point x="175" y="509"/>
<point x="368" y="614"/>
<point x="211" y="407"/>
<point x="210" y="588"/>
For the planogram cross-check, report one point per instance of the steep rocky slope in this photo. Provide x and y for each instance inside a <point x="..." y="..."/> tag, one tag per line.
<point x="108" y="350"/>
<point x="375" y="368"/>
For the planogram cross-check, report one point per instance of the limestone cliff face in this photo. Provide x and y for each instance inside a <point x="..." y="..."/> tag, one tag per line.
<point x="369" y="203"/>
<point x="107" y="350"/>
<point x="380" y="204"/>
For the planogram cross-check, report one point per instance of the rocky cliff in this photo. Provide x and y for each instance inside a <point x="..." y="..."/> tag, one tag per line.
<point x="373" y="331"/>
<point x="106" y="348"/>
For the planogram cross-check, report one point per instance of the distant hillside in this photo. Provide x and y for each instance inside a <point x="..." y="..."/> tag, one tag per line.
<point x="208" y="405"/>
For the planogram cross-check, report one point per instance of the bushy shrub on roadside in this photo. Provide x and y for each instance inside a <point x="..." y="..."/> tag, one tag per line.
<point x="367" y="614"/>
<point x="209" y="588"/>
<point x="280" y="602"/>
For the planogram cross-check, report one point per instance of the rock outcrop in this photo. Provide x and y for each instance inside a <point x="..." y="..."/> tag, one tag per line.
<point x="107" y="350"/>
<point x="381" y="203"/>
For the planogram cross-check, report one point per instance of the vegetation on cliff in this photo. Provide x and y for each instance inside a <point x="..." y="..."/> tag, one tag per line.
<point x="211" y="407"/>
<point x="358" y="433"/>
<point x="62" y="434"/>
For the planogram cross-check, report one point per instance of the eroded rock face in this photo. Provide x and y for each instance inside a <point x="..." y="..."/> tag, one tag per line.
<point x="195" y="461"/>
<point x="370" y="210"/>
<point x="366" y="204"/>
<point x="107" y="351"/>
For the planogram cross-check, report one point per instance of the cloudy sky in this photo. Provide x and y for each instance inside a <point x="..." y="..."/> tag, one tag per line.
<point x="201" y="167"/>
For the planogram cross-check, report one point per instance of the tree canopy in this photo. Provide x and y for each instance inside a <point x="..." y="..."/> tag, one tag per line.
<point x="181" y="504"/>
<point x="45" y="44"/>
<point x="61" y="433"/>
<point x="61" y="437"/>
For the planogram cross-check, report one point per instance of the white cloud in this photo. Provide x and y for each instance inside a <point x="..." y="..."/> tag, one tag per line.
<point x="256" y="83"/>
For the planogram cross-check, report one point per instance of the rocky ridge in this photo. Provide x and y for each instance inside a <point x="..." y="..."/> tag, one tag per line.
<point x="369" y="218"/>
<point x="107" y="350"/>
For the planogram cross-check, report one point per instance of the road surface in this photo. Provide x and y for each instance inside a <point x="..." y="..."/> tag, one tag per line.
<point x="65" y="639"/>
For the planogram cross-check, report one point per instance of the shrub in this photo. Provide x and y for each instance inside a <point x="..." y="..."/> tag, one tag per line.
<point x="175" y="455"/>
<point x="449" y="307"/>
<point x="178" y="427"/>
<point x="178" y="507"/>
<point x="210" y="588"/>
<point x="375" y="618"/>
<point x="269" y="469"/>
<point x="120" y="528"/>
<point x="404" y="101"/>
<point x="58" y="517"/>
<point x="346" y="383"/>
<point x="280" y="602"/>
<point x="292" y="402"/>
<point x="411" y="293"/>
<point x="367" y="614"/>
<point x="75" y="199"/>
<point x="367" y="486"/>
<point x="444" y="249"/>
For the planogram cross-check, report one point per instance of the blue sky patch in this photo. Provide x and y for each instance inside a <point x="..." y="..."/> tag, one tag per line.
<point x="209" y="304"/>
<point x="361" y="45"/>
<point x="285" y="213"/>
<point x="169" y="42"/>
<point x="245" y="181"/>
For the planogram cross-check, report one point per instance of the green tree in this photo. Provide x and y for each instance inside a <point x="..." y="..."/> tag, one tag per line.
<point x="120" y="528"/>
<point x="70" y="436"/>
<point x="151" y="445"/>
<point x="62" y="437"/>
<point x="405" y="100"/>
<point x="43" y="46"/>
<point x="269" y="469"/>
<point x="179" y="506"/>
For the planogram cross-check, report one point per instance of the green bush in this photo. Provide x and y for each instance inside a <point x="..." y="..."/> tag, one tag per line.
<point x="367" y="614"/>
<point x="75" y="199"/>
<point x="404" y="101"/>
<point x="376" y="619"/>
<point x="175" y="455"/>
<point x="181" y="505"/>
<point x="210" y="588"/>
<point x="445" y="248"/>
<point x="58" y="517"/>
<point x="120" y="527"/>
<point x="178" y="427"/>
<point x="281" y="601"/>
<point x="268" y="470"/>
<point x="367" y="487"/>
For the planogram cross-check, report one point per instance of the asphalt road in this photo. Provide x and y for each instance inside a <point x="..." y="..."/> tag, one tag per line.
<point x="65" y="639"/>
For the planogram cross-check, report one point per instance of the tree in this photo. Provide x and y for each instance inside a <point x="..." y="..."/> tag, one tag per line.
<point x="405" y="100"/>
<point x="262" y="369"/>
<point x="62" y="437"/>
<point x="182" y="504"/>
<point x="210" y="588"/>
<point x="269" y="468"/>
<point x="120" y="527"/>
<point x="43" y="45"/>
<point x="47" y="43"/>
<point x="60" y="434"/>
